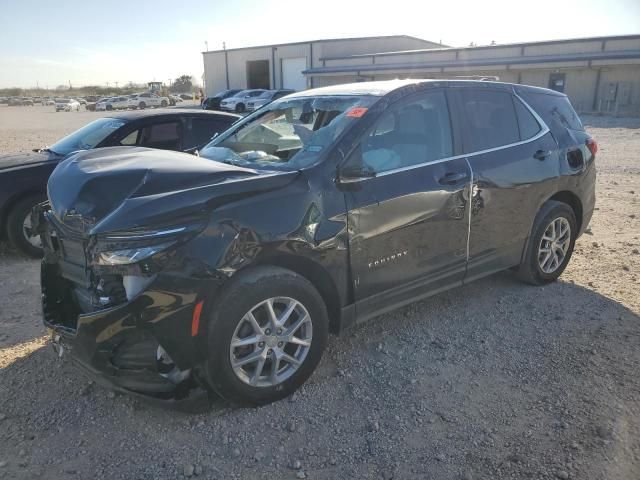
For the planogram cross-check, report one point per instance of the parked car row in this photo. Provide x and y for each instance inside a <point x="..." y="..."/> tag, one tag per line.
<point x="240" y="101"/>
<point x="133" y="101"/>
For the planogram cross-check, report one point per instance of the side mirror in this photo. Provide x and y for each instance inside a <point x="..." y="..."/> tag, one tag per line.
<point x="351" y="174"/>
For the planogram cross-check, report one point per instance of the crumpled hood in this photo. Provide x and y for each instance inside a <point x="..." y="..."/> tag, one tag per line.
<point x="25" y="158"/>
<point x="120" y="188"/>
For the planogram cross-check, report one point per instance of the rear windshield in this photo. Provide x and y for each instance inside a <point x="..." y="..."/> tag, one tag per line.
<point x="555" y="110"/>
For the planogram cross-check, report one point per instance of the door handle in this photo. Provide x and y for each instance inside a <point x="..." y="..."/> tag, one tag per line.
<point x="541" y="155"/>
<point x="453" y="178"/>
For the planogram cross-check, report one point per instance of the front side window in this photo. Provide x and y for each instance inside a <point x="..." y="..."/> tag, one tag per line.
<point x="411" y="133"/>
<point x="288" y="134"/>
<point x="491" y="119"/>
<point x="201" y="130"/>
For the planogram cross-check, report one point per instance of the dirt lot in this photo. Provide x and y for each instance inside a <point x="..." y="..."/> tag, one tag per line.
<point x="492" y="380"/>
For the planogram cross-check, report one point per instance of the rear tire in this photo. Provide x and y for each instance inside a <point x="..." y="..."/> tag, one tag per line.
<point x="548" y="254"/>
<point x="142" y="105"/>
<point x="163" y="103"/>
<point x="278" y="377"/>
<point x="16" y="225"/>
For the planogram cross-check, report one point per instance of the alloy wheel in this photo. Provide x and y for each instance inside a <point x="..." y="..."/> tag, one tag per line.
<point x="554" y="245"/>
<point x="27" y="230"/>
<point x="271" y="342"/>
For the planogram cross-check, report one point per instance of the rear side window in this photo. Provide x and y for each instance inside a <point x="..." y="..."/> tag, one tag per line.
<point x="165" y="136"/>
<point x="527" y="123"/>
<point x="202" y="130"/>
<point x="491" y="119"/>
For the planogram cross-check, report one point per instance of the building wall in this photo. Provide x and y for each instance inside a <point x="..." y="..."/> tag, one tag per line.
<point x="214" y="62"/>
<point x="581" y="82"/>
<point x="587" y="83"/>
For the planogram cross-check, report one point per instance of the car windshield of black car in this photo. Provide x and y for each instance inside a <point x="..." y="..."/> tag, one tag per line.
<point x="88" y="136"/>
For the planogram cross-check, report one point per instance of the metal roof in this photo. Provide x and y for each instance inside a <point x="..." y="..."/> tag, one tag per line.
<point x="520" y="60"/>
<point x="445" y="48"/>
<point x="348" y="39"/>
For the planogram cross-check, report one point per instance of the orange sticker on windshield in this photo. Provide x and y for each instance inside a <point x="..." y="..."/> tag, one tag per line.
<point x="357" y="112"/>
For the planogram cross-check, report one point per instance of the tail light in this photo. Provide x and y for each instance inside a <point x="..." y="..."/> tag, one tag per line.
<point x="592" y="145"/>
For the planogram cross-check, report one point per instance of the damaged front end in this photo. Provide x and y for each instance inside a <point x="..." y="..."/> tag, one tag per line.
<point x="133" y="256"/>
<point x="123" y="305"/>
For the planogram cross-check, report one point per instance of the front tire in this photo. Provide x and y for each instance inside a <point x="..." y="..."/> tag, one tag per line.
<point x="19" y="226"/>
<point x="551" y="244"/>
<point x="240" y="108"/>
<point x="142" y="105"/>
<point x="163" y="103"/>
<point x="266" y="335"/>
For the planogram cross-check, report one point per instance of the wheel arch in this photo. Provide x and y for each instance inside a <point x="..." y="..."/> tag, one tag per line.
<point x="564" y="196"/>
<point x="11" y="203"/>
<point x="571" y="199"/>
<point x="315" y="273"/>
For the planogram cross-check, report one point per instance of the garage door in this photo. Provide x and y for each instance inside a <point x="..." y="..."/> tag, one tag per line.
<point x="292" y="76"/>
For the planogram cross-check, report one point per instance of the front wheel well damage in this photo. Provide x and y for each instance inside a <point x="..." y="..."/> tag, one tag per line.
<point x="311" y="271"/>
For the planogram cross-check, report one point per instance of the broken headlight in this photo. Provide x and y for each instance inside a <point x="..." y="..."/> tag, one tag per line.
<point x="131" y="247"/>
<point x="128" y="256"/>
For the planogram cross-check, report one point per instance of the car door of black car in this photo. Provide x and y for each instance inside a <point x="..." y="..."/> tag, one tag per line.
<point x="515" y="166"/>
<point x="408" y="225"/>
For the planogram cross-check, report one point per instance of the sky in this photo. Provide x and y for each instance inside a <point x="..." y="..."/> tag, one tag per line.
<point x="48" y="43"/>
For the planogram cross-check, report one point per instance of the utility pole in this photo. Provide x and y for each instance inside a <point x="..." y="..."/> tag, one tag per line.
<point x="206" y="46"/>
<point x="116" y="84"/>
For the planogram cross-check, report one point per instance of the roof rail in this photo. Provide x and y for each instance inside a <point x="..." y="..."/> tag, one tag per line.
<point x="480" y="78"/>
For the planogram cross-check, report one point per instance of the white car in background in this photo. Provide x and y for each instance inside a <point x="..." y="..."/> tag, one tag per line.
<point x="101" y="106"/>
<point x="238" y="103"/>
<point x="117" y="103"/>
<point x="267" y="97"/>
<point x="146" y="100"/>
<point x="67" y="105"/>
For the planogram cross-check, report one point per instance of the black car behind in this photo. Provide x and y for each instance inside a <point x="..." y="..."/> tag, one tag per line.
<point x="23" y="176"/>
<point x="213" y="103"/>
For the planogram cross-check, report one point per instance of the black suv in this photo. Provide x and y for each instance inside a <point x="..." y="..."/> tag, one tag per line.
<point x="165" y="271"/>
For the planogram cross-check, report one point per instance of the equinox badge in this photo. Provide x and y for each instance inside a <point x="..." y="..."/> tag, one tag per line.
<point x="390" y="258"/>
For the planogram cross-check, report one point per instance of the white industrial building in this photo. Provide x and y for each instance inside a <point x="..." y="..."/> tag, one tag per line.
<point x="598" y="73"/>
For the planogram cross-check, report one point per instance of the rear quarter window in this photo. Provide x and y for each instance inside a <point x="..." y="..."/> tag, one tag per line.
<point x="527" y="123"/>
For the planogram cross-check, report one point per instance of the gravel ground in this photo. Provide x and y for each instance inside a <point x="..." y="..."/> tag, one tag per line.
<point x="492" y="380"/>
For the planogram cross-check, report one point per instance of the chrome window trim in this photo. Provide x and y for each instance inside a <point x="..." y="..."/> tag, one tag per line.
<point x="544" y="129"/>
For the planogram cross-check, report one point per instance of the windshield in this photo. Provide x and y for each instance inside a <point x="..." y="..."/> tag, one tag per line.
<point x="88" y="136"/>
<point x="288" y="134"/>
<point x="266" y="94"/>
